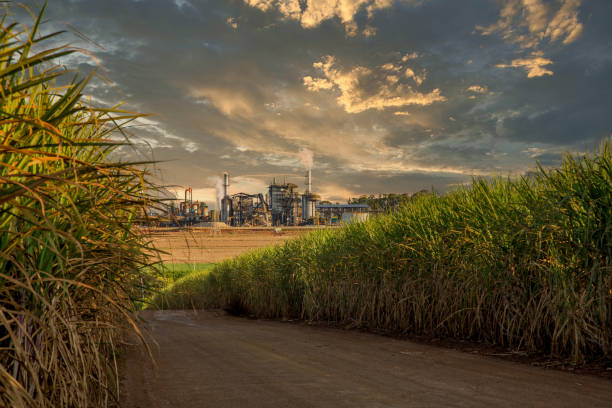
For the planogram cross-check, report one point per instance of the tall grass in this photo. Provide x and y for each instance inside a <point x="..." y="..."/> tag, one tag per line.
<point x="70" y="259"/>
<point x="524" y="263"/>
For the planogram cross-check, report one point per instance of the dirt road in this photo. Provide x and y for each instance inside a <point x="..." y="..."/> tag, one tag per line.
<point x="210" y="359"/>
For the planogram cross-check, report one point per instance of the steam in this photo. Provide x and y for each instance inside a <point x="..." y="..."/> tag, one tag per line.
<point x="306" y="157"/>
<point x="218" y="182"/>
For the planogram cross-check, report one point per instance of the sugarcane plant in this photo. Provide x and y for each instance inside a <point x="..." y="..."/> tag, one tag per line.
<point x="71" y="257"/>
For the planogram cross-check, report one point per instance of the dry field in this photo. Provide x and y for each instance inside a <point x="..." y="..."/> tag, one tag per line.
<point x="208" y="245"/>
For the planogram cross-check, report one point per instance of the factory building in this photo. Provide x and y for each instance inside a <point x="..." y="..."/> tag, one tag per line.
<point x="283" y="205"/>
<point x="186" y="212"/>
<point x="249" y="210"/>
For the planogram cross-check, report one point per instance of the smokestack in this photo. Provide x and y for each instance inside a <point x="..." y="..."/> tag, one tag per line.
<point x="306" y="157"/>
<point x="225" y="183"/>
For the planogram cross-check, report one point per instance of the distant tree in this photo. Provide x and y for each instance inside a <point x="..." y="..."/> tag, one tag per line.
<point x="382" y="202"/>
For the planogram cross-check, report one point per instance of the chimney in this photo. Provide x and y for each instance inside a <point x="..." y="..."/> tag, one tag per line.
<point x="309" y="181"/>
<point x="225" y="183"/>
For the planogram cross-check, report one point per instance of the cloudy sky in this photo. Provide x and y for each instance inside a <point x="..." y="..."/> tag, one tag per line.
<point x="389" y="95"/>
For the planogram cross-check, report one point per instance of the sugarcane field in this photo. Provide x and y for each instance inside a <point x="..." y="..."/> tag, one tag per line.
<point x="305" y="203"/>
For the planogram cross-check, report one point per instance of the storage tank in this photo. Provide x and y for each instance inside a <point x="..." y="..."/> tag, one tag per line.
<point x="309" y="202"/>
<point x="203" y="210"/>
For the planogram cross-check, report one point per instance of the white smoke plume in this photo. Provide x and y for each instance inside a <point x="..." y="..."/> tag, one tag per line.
<point x="306" y="157"/>
<point x="218" y="182"/>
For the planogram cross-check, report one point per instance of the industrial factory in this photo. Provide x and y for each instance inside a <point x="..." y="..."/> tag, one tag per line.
<point x="281" y="205"/>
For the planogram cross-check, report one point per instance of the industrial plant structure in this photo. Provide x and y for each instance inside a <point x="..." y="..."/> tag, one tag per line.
<point x="282" y="205"/>
<point x="186" y="212"/>
<point x="226" y="201"/>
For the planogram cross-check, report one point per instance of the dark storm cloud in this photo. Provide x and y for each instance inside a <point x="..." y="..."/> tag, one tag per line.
<point x="228" y="84"/>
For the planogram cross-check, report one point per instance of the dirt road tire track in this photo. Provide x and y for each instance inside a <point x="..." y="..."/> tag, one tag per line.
<point x="208" y="359"/>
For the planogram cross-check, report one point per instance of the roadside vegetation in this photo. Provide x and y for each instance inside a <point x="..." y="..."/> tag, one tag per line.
<point x="163" y="275"/>
<point x="167" y="273"/>
<point x="525" y="264"/>
<point x="71" y="261"/>
<point x="187" y="282"/>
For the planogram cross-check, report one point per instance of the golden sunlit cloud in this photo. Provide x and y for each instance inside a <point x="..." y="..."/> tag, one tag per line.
<point x="317" y="84"/>
<point x="410" y="56"/>
<point x="405" y="167"/>
<point x="311" y="13"/>
<point x="478" y="89"/>
<point x="565" y="23"/>
<point x="531" y="23"/>
<point x="232" y="22"/>
<point x="383" y="90"/>
<point x="369" y="31"/>
<point x="417" y="78"/>
<point x="535" y="66"/>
